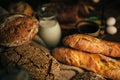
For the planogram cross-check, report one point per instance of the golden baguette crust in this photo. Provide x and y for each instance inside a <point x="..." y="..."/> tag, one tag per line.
<point x="93" y="45"/>
<point x="105" y="66"/>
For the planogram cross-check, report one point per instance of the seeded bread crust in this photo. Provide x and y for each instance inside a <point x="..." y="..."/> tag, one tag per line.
<point x="36" y="60"/>
<point x="17" y="30"/>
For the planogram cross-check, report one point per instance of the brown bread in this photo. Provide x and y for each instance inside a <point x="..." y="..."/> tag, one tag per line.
<point x="92" y="45"/>
<point x="98" y="63"/>
<point x="17" y="29"/>
<point x="35" y="59"/>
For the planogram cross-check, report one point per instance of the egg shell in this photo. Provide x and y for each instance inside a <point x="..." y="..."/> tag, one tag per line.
<point x="111" y="30"/>
<point x="111" y="21"/>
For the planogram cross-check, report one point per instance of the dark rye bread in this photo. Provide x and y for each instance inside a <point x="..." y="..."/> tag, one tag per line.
<point x="17" y="29"/>
<point x="37" y="61"/>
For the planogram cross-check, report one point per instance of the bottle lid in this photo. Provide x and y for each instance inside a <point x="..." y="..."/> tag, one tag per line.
<point x="46" y="11"/>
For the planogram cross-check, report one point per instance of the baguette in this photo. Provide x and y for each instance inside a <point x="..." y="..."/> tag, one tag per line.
<point x="98" y="63"/>
<point x="92" y="45"/>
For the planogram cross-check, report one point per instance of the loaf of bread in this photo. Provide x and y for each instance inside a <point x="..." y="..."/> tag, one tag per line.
<point x="98" y="63"/>
<point x="67" y="13"/>
<point x="36" y="60"/>
<point x="21" y="7"/>
<point x="17" y="29"/>
<point x="92" y="45"/>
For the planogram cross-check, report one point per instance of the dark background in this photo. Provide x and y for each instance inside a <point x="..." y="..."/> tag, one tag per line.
<point x="34" y="3"/>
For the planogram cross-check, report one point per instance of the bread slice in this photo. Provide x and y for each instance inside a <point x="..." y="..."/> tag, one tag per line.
<point x="98" y="63"/>
<point x="92" y="45"/>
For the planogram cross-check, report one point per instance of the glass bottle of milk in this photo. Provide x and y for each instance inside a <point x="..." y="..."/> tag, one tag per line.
<point x="49" y="29"/>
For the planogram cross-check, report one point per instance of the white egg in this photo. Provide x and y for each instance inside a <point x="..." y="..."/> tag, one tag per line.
<point x="96" y="1"/>
<point x="111" y="30"/>
<point x="111" y="21"/>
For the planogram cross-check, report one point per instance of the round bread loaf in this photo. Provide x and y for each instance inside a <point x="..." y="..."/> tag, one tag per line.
<point x="17" y="29"/>
<point x="21" y="7"/>
<point x="37" y="61"/>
